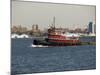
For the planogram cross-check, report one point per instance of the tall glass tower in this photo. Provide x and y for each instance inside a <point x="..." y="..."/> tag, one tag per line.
<point x="90" y="28"/>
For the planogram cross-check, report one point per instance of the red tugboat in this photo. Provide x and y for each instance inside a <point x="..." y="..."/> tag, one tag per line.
<point x="58" y="38"/>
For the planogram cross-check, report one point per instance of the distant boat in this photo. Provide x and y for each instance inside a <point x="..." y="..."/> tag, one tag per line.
<point x="19" y="36"/>
<point x="14" y="35"/>
<point x="23" y="36"/>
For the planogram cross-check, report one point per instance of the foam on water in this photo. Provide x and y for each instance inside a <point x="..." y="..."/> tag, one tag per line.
<point x="38" y="46"/>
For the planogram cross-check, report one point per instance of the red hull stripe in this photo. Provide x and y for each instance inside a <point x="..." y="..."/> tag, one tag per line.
<point x="60" y="37"/>
<point x="57" y="36"/>
<point x="64" y="41"/>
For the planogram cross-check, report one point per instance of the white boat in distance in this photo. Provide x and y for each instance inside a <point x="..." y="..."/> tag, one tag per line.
<point x="19" y="36"/>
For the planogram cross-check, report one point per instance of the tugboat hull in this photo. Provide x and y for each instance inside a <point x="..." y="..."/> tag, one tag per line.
<point x="48" y="42"/>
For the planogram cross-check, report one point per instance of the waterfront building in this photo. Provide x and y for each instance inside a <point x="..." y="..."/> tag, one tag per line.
<point x="14" y="29"/>
<point x="35" y="28"/>
<point x="95" y="28"/>
<point x="90" y="28"/>
<point x="18" y="29"/>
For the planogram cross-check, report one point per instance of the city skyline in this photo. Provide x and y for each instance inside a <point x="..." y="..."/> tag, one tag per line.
<point x="67" y="15"/>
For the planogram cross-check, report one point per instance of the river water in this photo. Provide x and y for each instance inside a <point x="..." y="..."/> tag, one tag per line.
<point x="26" y="59"/>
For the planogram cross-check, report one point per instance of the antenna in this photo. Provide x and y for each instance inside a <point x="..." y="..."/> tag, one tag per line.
<point x="54" y="21"/>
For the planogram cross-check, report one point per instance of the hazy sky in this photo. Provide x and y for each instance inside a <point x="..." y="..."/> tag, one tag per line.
<point x="71" y="16"/>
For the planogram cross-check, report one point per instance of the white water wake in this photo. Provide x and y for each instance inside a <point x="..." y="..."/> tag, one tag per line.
<point x="37" y="46"/>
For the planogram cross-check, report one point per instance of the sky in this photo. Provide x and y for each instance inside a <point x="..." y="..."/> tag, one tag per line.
<point x="27" y="13"/>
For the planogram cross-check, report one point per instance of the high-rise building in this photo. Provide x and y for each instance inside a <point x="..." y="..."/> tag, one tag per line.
<point x="35" y="28"/>
<point x="90" y="27"/>
<point x="95" y="28"/>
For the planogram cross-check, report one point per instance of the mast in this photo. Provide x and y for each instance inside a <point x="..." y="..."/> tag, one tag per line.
<point x="52" y="28"/>
<point x="54" y="21"/>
